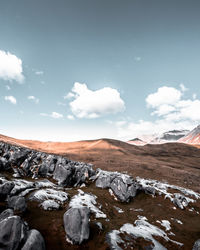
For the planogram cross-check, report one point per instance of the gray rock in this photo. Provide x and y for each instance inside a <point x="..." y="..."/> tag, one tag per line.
<point x="196" y="245"/>
<point x="5" y="189"/>
<point x="64" y="174"/>
<point x="34" y="241"/>
<point x="103" y="181"/>
<point x="17" y="203"/>
<point x="180" y="201"/>
<point x="6" y="213"/>
<point x="12" y="232"/>
<point x="123" y="191"/>
<point x="76" y="224"/>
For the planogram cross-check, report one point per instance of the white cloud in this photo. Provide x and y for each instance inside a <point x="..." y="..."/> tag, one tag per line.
<point x="39" y="72"/>
<point x="171" y="111"/>
<point x="33" y="98"/>
<point x="70" y="117"/>
<point x="10" y="67"/>
<point x="54" y="115"/>
<point x="183" y="88"/>
<point x="92" y="104"/>
<point x="164" y="95"/>
<point x="69" y="95"/>
<point x="10" y="99"/>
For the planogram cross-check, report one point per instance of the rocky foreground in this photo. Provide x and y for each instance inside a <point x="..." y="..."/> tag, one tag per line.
<point x="50" y="202"/>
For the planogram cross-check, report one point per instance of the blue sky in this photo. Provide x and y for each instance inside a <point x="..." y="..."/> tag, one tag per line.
<point x="73" y="70"/>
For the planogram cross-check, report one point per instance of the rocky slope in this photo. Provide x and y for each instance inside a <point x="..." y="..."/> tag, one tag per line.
<point x="48" y="201"/>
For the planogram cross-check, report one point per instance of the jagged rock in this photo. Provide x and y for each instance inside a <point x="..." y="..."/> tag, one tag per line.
<point x="76" y="223"/>
<point x="5" y="189"/>
<point x="196" y="245"/>
<point x="180" y="201"/>
<point x="149" y="190"/>
<point x="17" y="203"/>
<point x="18" y="157"/>
<point x="50" y="205"/>
<point x="4" y="164"/>
<point x="34" y="241"/>
<point x="104" y="181"/>
<point x="64" y="174"/>
<point x="26" y="162"/>
<point x="12" y="233"/>
<point x="6" y="213"/>
<point x="123" y="190"/>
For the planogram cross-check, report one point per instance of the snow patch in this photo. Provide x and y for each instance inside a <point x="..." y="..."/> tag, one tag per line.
<point x="89" y="200"/>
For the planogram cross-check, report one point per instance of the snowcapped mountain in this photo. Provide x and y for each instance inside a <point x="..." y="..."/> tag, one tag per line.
<point x="192" y="137"/>
<point x="169" y="136"/>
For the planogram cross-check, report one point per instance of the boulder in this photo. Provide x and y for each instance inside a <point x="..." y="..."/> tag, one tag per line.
<point x="5" y="189"/>
<point x="12" y="233"/>
<point x="34" y="241"/>
<point x="123" y="189"/>
<point x="64" y="174"/>
<point x="6" y="213"/>
<point x="17" y="203"/>
<point x="76" y="224"/>
<point x="196" y="245"/>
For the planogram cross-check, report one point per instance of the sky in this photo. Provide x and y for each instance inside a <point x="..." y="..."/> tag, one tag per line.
<point x="86" y="69"/>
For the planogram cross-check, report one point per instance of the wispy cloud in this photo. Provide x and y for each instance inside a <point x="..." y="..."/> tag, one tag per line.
<point x="54" y="115"/>
<point x="33" y="98"/>
<point x="10" y="67"/>
<point x="39" y="72"/>
<point x="10" y="99"/>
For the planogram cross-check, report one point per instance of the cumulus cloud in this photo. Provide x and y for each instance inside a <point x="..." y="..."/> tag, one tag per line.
<point x="54" y="115"/>
<point x="10" y="99"/>
<point x="10" y="67"/>
<point x="169" y="103"/>
<point x="33" y="98"/>
<point x="163" y="96"/>
<point x="87" y="103"/>
<point x="171" y="111"/>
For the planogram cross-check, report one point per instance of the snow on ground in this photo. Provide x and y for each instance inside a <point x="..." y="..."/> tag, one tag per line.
<point x="49" y="194"/>
<point x="119" y="210"/>
<point x="141" y="229"/>
<point x="165" y="223"/>
<point x="88" y="200"/>
<point x="49" y="205"/>
<point x="162" y="189"/>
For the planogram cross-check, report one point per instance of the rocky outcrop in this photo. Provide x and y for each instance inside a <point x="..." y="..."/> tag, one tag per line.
<point x="76" y="224"/>
<point x="26" y="162"/>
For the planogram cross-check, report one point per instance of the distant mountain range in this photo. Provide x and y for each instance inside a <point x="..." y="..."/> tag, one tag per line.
<point x="185" y="136"/>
